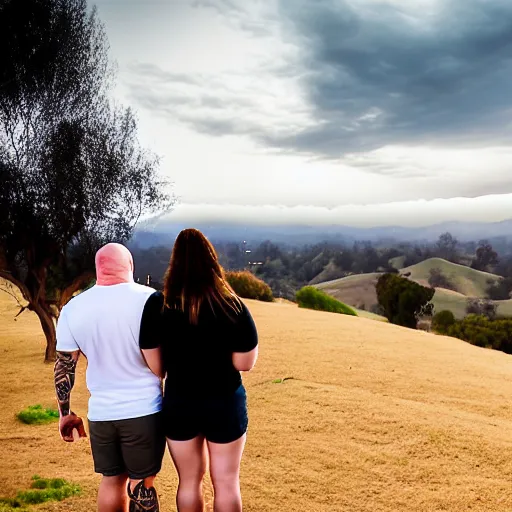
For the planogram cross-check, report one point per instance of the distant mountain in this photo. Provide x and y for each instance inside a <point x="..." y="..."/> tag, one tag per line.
<point x="162" y="231"/>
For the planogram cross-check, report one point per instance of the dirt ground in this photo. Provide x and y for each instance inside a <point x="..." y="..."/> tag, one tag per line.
<point x="371" y="417"/>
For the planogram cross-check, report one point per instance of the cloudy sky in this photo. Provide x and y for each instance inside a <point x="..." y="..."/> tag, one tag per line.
<point x="361" y="112"/>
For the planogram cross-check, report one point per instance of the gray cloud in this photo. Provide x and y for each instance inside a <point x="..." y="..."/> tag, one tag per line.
<point x="374" y="75"/>
<point x="337" y="80"/>
<point x="379" y="76"/>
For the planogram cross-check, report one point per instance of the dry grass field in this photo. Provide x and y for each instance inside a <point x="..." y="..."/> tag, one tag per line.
<point x="371" y="417"/>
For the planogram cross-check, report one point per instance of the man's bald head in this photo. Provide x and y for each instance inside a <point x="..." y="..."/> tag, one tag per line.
<point x="114" y="265"/>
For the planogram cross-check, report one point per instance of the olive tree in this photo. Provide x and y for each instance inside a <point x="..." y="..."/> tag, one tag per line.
<point x="72" y="173"/>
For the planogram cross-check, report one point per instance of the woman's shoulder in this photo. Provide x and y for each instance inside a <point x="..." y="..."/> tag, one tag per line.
<point x="155" y="301"/>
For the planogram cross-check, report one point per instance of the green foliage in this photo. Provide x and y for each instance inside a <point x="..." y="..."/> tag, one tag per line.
<point x="42" y="490"/>
<point x="442" y="321"/>
<point x="248" y="286"/>
<point x="37" y="415"/>
<point x="8" y="505"/>
<point x="403" y="301"/>
<point x="481" y="331"/>
<point x="73" y="174"/>
<point x="311" y="298"/>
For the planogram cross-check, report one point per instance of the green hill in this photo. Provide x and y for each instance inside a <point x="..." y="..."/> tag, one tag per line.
<point x="358" y="290"/>
<point x="467" y="281"/>
<point x="456" y="303"/>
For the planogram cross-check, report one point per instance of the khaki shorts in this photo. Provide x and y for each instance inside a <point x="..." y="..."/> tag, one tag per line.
<point x="135" y="446"/>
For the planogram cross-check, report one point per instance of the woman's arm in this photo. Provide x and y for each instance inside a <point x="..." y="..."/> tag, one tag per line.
<point x="245" y="361"/>
<point x="151" y="334"/>
<point x="153" y="357"/>
<point x="245" y="342"/>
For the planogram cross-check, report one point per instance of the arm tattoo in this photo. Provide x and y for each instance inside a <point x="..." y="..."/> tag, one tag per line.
<point x="64" y="374"/>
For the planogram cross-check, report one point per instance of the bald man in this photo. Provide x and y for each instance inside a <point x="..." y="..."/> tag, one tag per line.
<point x="127" y="442"/>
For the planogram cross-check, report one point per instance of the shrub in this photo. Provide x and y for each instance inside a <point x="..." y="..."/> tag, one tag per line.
<point x="36" y="415"/>
<point x="403" y="301"/>
<point x="8" y="505"/>
<point x="500" y="290"/>
<point x="248" y="286"/>
<point x="442" y="321"/>
<point x="481" y="307"/>
<point x="438" y="280"/>
<point x="481" y="331"/>
<point x="311" y="298"/>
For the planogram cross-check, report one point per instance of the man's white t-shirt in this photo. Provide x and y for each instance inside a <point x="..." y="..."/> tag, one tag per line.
<point x="104" y="323"/>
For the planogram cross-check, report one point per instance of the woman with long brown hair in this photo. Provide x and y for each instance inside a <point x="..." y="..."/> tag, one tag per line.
<point x="207" y="337"/>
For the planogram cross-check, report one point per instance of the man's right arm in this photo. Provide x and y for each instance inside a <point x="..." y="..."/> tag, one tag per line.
<point x="68" y="353"/>
<point x="64" y="376"/>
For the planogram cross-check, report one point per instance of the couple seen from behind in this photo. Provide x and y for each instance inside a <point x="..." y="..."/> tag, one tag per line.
<point x="198" y="336"/>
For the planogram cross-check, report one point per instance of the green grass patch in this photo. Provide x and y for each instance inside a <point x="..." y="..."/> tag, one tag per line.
<point x="41" y="491"/>
<point x="280" y="381"/>
<point x="311" y="298"/>
<point x="8" y="505"/>
<point x="38" y="415"/>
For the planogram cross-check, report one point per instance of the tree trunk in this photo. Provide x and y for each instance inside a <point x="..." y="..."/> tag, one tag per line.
<point x="46" y="311"/>
<point x="49" y="329"/>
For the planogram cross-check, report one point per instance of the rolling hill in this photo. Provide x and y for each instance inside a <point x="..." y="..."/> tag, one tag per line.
<point x="467" y="281"/>
<point x="346" y="414"/>
<point x="359" y="289"/>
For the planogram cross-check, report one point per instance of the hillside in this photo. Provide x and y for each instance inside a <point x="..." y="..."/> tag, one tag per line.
<point x="372" y="417"/>
<point x="360" y="289"/>
<point x="356" y="290"/>
<point x="467" y="281"/>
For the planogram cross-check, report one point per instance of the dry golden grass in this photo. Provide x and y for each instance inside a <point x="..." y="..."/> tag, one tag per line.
<point x="372" y="418"/>
<point x="354" y="290"/>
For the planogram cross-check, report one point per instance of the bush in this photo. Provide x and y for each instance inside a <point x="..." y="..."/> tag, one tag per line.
<point x="438" y="280"/>
<point x="442" y="321"/>
<point x="36" y="415"/>
<point x="248" y="286"/>
<point x="500" y="290"/>
<point x="311" y="298"/>
<point x="10" y="505"/>
<point x="403" y="301"/>
<point x="481" y="307"/>
<point x="481" y="331"/>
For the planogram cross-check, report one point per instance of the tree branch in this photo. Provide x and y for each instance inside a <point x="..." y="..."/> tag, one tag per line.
<point x="77" y="283"/>
<point x="16" y="282"/>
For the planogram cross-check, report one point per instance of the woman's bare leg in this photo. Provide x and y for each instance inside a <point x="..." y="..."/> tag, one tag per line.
<point x="225" y="472"/>
<point x="190" y="460"/>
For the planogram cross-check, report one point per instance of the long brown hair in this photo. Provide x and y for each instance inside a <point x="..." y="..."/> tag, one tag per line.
<point x="195" y="275"/>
